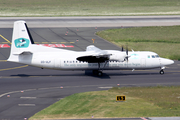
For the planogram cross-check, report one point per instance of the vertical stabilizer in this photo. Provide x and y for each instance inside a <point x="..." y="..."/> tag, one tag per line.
<point x="21" y="40"/>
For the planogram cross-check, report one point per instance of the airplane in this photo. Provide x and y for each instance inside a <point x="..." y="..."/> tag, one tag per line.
<point x="25" y="51"/>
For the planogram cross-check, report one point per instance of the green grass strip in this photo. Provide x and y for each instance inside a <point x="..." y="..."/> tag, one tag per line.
<point x="165" y="41"/>
<point x="140" y="102"/>
<point x="88" y="7"/>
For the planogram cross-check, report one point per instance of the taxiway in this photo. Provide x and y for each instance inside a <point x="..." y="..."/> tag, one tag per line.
<point x="25" y="90"/>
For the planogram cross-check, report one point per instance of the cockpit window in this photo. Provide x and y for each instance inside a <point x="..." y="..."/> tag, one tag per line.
<point x="157" y="56"/>
<point x="153" y="56"/>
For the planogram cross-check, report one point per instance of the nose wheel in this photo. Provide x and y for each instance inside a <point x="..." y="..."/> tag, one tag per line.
<point x="161" y="72"/>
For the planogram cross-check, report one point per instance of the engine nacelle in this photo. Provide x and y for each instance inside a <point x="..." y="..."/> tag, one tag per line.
<point x="118" y="57"/>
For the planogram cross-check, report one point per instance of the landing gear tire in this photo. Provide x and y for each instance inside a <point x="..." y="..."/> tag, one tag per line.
<point x="161" y="72"/>
<point x="98" y="73"/>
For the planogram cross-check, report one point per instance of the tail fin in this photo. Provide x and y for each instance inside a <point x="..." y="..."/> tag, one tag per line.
<point x="21" y="40"/>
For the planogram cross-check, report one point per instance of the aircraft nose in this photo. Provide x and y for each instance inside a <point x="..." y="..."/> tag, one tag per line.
<point x="166" y="62"/>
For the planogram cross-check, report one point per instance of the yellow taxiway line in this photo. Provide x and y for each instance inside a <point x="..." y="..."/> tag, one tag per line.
<point x="5" y="39"/>
<point x="13" y="68"/>
<point x="3" y="60"/>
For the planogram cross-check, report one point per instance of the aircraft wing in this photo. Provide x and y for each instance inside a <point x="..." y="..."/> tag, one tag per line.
<point x="97" y="55"/>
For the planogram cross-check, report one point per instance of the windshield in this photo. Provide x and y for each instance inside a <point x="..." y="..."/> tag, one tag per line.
<point x="155" y="56"/>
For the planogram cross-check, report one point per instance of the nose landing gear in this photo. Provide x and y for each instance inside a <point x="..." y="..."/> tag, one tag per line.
<point x="161" y="72"/>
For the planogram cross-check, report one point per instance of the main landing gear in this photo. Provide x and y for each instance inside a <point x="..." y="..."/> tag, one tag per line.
<point x="97" y="72"/>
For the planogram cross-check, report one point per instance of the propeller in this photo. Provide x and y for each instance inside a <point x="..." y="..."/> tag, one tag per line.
<point x="126" y="56"/>
<point x="127" y="53"/>
<point x="122" y="49"/>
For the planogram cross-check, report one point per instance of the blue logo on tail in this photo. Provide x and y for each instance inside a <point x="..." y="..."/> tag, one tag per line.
<point x="21" y="43"/>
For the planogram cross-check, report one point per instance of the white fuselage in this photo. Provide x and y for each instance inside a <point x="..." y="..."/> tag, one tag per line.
<point x="23" y="50"/>
<point x="66" y="60"/>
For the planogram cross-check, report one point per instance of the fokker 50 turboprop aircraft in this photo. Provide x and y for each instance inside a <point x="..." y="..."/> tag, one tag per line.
<point x="23" y="50"/>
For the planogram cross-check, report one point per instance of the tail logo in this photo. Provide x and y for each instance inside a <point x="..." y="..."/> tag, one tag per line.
<point x="21" y="43"/>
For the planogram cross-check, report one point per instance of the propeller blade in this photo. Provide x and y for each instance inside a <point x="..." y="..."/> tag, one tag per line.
<point x="127" y="53"/>
<point x="126" y="50"/>
<point x="122" y="49"/>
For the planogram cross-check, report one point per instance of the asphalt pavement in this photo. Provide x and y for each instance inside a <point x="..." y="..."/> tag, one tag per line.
<point x="25" y="90"/>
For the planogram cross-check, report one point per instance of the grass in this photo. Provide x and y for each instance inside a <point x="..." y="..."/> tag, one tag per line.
<point x="88" y="7"/>
<point x="140" y="102"/>
<point x="163" y="40"/>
